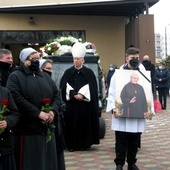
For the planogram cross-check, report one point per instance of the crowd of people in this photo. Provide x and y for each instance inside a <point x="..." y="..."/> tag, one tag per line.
<point x="160" y="78"/>
<point x="129" y="127"/>
<point x="39" y="120"/>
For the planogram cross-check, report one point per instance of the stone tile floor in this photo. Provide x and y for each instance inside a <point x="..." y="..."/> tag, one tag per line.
<point x="153" y="155"/>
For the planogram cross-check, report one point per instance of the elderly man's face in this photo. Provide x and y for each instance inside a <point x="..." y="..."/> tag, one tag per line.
<point x="78" y="62"/>
<point x="134" y="79"/>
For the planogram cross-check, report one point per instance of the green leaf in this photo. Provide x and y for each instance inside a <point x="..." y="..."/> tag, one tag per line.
<point x="1" y="130"/>
<point x="43" y="108"/>
<point x="3" y="117"/>
<point x="48" y="136"/>
<point x="52" y="126"/>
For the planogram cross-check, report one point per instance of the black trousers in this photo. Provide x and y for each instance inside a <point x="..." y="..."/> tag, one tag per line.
<point x="163" y="92"/>
<point x="126" y="146"/>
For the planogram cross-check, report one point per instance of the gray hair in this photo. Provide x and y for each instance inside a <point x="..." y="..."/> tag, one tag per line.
<point x="134" y="75"/>
<point x="4" y="51"/>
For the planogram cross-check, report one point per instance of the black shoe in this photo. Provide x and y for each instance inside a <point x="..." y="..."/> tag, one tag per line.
<point x="164" y="108"/>
<point x="132" y="167"/>
<point x="119" y="167"/>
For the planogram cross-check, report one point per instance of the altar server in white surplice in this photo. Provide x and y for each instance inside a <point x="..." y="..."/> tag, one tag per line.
<point x="127" y="130"/>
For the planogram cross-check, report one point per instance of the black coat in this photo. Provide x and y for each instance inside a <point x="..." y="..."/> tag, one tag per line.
<point x="109" y="76"/>
<point x="29" y="89"/>
<point x="149" y="67"/>
<point x="5" y="70"/>
<point x="164" y="75"/>
<point x="6" y="146"/>
<point x="81" y="117"/>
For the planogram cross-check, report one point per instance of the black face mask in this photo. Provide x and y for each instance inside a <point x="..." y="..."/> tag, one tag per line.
<point x="34" y="65"/>
<point x="146" y="62"/>
<point x="5" y="65"/>
<point x="134" y="62"/>
<point x="48" y="72"/>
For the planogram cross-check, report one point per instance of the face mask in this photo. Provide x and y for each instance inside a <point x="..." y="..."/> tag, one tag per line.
<point x="111" y="69"/>
<point x="48" y="72"/>
<point x="5" y="65"/>
<point x="134" y="62"/>
<point x="34" y="65"/>
<point x="145" y="62"/>
<point x="160" y="67"/>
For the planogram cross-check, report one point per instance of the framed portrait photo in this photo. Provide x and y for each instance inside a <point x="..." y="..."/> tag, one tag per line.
<point x="133" y="94"/>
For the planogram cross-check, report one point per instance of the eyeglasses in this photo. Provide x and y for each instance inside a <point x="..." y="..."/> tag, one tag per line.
<point x="48" y="68"/>
<point x="34" y="59"/>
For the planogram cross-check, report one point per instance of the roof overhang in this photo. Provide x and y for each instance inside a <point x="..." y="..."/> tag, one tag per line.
<point x="128" y="8"/>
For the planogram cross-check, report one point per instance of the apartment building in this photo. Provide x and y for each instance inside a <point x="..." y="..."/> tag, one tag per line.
<point x="162" y="44"/>
<point x="158" y="46"/>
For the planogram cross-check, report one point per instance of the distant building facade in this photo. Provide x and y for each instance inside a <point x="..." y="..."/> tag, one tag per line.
<point x="162" y="44"/>
<point x="158" y="47"/>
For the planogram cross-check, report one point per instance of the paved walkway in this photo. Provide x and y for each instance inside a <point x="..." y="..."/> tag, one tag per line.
<point x="153" y="155"/>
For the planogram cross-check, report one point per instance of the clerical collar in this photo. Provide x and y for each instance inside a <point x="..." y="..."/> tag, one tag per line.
<point x="78" y="68"/>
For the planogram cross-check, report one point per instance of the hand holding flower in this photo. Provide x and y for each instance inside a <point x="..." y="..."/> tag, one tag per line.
<point x="43" y="116"/>
<point x="3" y="111"/>
<point x="47" y="115"/>
<point x="3" y="124"/>
<point x="50" y="117"/>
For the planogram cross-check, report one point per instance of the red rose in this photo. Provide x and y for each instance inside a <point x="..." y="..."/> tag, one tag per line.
<point x="46" y="101"/>
<point x="5" y="102"/>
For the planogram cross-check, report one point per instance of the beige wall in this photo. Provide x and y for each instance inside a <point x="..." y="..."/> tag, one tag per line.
<point x="140" y="33"/>
<point x="107" y="33"/>
<point x="147" y="38"/>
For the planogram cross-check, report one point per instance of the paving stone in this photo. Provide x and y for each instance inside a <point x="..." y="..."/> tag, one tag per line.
<point x="153" y="155"/>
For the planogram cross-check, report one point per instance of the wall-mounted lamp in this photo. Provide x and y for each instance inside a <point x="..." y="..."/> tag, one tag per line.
<point x="31" y="20"/>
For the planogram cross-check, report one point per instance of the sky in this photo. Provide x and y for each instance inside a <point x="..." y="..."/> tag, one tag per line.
<point x="161" y="11"/>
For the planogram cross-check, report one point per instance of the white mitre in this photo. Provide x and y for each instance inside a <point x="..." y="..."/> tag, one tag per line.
<point x="78" y="50"/>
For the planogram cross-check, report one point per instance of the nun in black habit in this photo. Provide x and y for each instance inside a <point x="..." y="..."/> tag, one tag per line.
<point x="37" y="99"/>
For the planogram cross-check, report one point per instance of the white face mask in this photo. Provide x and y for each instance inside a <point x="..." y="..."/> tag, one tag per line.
<point x="160" y="67"/>
<point x="111" y="69"/>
